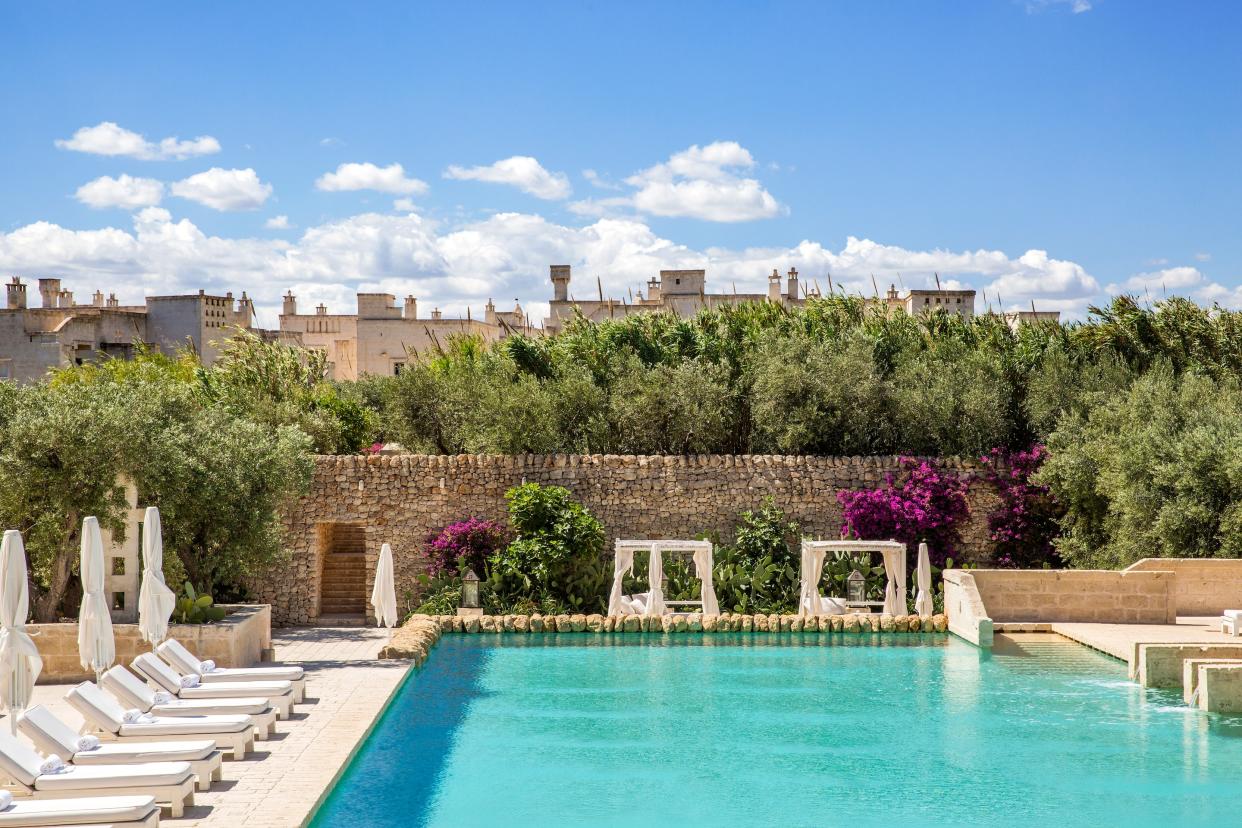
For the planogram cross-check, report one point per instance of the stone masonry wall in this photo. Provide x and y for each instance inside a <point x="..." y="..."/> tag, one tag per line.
<point x="401" y="499"/>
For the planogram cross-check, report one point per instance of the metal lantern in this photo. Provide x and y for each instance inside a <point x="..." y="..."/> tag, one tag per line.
<point x="856" y="588"/>
<point x="470" y="591"/>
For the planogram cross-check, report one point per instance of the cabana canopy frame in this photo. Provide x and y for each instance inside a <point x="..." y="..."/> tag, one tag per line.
<point x="814" y="552"/>
<point x="653" y="603"/>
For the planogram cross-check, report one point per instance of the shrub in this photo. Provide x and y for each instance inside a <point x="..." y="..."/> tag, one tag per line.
<point x="927" y="504"/>
<point x="466" y="544"/>
<point x="556" y="557"/>
<point x="1024" y="526"/>
<point x="759" y="572"/>
<point x="1155" y="471"/>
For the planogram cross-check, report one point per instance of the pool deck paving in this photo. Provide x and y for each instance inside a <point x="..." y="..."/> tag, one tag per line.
<point x="281" y="782"/>
<point x="1119" y="640"/>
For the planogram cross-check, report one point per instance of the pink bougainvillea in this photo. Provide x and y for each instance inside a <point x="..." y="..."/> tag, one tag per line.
<point x="923" y="503"/>
<point x="1025" y="524"/>
<point x="471" y="541"/>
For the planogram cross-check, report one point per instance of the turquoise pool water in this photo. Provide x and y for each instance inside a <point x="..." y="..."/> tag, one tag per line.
<point x="770" y="731"/>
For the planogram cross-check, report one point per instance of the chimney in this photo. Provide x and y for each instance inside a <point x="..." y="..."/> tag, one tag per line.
<point x="66" y="298"/>
<point x="489" y="313"/>
<point x="653" y="289"/>
<point x="560" y="282"/>
<point x="113" y="302"/>
<point x="774" y="286"/>
<point x="290" y="306"/>
<point x="411" y="308"/>
<point x="49" y="292"/>
<point x="16" y="294"/>
<point x="435" y="314"/>
<point x="245" y="310"/>
<point x="791" y="291"/>
<point x="97" y="299"/>
<point x="321" y="309"/>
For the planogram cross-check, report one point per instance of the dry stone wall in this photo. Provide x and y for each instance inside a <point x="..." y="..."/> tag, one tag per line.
<point x="402" y="499"/>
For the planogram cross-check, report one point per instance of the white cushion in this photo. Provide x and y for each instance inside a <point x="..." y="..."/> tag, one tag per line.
<point x="89" y="777"/>
<point x="237" y="689"/>
<point x="197" y="707"/>
<point x="98" y="708"/>
<point x="187" y="726"/>
<point x="128" y="688"/>
<point x="125" y="753"/>
<point x="83" y="811"/>
<point x="48" y="733"/>
<point x="1234" y="614"/>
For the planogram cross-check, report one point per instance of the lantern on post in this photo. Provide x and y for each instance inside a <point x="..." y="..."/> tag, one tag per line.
<point x="856" y="588"/>
<point x="470" y="601"/>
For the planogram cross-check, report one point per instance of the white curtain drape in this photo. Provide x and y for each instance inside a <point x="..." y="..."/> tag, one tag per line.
<point x="655" y="573"/>
<point x="923" y="601"/>
<point x="96" y="648"/>
<point x="20" y="663"/>
<point x="812" y="572"/>
<point x="622" y="565"/>
<point x="156" y="601"/>
<point x="895" y="587"/>
<point x="703" y="568"/>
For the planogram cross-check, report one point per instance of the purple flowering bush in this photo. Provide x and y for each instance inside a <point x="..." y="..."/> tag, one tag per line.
<point x="924" y="503"/>
<point x="1025" y="524"/>
<point x="473" y="540"/>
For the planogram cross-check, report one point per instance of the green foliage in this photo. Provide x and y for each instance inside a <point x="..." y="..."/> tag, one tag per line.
<point x="193" y="608"/>
<point x="1154" y="471"/>
<point x="758" y="572"/>
<point x="557" y="556"/>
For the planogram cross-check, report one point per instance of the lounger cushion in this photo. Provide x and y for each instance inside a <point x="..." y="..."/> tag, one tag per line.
<point x="227" y="706"/>
<point x="182" y="660"/>
<point x="130" y="690"/>
<point x="95" y="810"/>
<point x="230" y="689"/>
<point x="186" y="726"/>
<point x="128" y="752"/>
<point x="90" y="777"/>
<point x="96" y="706"/>
<point x="48" y="733"/>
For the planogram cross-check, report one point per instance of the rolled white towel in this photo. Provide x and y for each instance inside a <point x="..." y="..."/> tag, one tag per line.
<point x="88" y="743"/>
<point x="163" y="698"/>
<point x="189" y="681"/>
<point x="53" y="764"/>
<point x="136" y="716"/>
<point x="6" y="800"/>
<point x="207" y="666"/>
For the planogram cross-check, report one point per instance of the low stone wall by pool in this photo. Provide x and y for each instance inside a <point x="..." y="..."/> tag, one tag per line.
<point x="414" y="640"/>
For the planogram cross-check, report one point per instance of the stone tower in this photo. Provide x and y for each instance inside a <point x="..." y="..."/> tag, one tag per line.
<point x="560" y="283"/>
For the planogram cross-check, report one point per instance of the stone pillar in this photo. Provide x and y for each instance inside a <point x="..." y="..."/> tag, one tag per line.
<point x="121" y="580"/>
<point x="49" y="292"/>
<point x="774" y="287"/>
<point x="411" y="308"/>
<point x="560" y="282"/>
<point x="791" y="291"/>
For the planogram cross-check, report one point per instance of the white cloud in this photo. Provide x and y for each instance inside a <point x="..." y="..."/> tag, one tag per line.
<point x="224" y="190"/>
<point x="331" y="142"/>
<point x="1158" y="281"/>
<point x="1074" y="6"/>
<point x="405" y="205"/>
<point x="278" y="223"/>
<point x="520" y="171"/>
<point x="700" y="182"/>
<point x="125" y="191"/>
<point x="107" y="138"/>
<point x="600" y="181"/>
<point x="367" y="176"/>
<point x="1203" y="257"/>
<point x="503" y="257"/>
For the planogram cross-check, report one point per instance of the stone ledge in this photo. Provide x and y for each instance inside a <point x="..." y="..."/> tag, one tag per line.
<point x="413" y="640"/>
<point x="679" y="623"/>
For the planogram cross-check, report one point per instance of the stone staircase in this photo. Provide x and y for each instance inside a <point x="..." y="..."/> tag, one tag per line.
<point x="343" y="587"/>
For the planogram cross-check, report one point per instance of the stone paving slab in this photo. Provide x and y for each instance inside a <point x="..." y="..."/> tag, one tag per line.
<point x="279" y="784"/>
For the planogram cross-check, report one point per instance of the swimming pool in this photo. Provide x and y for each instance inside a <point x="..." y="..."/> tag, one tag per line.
<point x="768" y="730"/>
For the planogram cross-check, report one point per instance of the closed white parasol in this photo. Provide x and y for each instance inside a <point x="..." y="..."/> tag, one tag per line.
<point x="20" y="663"/>
<point x="923" y="602"/>
<point x="155" y="600"/>
<point x="384" y="593"/>
<point x="96" y="649"/>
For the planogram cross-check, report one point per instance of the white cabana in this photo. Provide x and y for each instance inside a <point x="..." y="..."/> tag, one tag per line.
<point x="20" y="663"/>
<point x="156" y="601"/>
<point x="813" y="554"/>
<point x="384" y="592"/>
<point x="96" y="648"/>
<point x="652" y="602"/>
<point x="923" y="599"/>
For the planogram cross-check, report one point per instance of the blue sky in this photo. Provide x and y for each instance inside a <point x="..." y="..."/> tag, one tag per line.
<point x="1040" y="151"/>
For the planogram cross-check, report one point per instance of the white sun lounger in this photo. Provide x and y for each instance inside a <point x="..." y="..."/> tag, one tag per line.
<point x="1231" y="622"/>
<point x="105" y="717"/>
<point x="94" y="812"/>
<point x="50" y="735"/>
<point x="171" y="783"/>
<point x="185" y="662"/>
<point x="279" y="694"/>
<point x="133" y="692"/>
